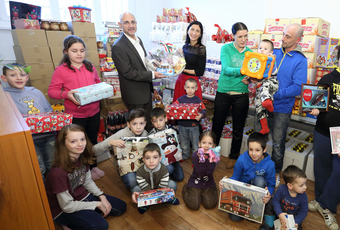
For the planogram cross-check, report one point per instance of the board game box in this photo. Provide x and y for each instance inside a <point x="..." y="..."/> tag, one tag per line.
<point x="155" y="196"/>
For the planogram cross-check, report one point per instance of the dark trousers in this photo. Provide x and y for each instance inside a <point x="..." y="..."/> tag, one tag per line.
<point x="326" y="172"/>
<point x="193" y="197"/>
<point x="91" y="126"/>
<point x="92" y="219"/>
<point x="240" y="106"/>
<point x="147" y="109"/>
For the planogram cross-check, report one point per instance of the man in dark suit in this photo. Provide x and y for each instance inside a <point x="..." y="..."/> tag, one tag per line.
<point x="128" y="54"/>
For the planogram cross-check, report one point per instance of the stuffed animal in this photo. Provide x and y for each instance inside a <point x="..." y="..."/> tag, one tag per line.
<point x="58" y="107"/>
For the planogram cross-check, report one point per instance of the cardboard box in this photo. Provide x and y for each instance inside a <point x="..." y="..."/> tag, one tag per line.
<point x="311" y="75"/>
<point x="249" y="129"/>
<point x="81" y="29"/>
<point x="41" y="71"/>
<point x="26" y="24"/>
<point x="93" y="57"/>
<point x="327" y="52"/>
<point x="41" y="84"/>
<point x="296" y="134"/>
<point x="155" y="196"/>
<point x="313" y="26"/>
<point x="55" y="64"/>
<point x="91" y="43"/>
<point x="242" y="199"/>
<point x="56" y="54"/>
<point x="225" y="144"/>
<point x="289" y="142"/>
<point x="309" y="43"/>
<point x="111" y="104"/>
<point x="276" y="25"/>
<point x="253" y="41"/>
<point x="28" y="55"/>
<point x="98" y="70"/>
<point x="92" y="93"/>
<point x="310" y="166"/>
<point x="276" y="39"/>
<point x="311" y="59"/>
<point x="29" y="38"/>
<point x="47" y="122"/>
<point x="56" y="38"/>
<point x="296" y="154"/>
<point x="53" y="101"/>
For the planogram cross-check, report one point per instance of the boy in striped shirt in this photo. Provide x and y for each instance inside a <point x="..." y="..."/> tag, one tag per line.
<point x="152" y="175"/>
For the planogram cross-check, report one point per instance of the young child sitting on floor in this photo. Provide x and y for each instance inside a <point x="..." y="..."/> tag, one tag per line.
<point x="152" y="175"/>
<point x="158" y="120"/>
<point x="289" y="198"/>
<point x="255" y="167"/>
<point x="135" y="128"/>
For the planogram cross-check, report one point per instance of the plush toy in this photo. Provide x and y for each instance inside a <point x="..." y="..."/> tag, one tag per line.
<point x="222" y="36"/>
<point x="58" y="107"/>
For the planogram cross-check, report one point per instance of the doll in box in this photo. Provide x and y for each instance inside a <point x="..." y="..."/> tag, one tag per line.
<point x="265" y="87"/>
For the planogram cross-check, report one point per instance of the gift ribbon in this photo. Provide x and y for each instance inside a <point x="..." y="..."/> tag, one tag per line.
<point x="167" y="46"/>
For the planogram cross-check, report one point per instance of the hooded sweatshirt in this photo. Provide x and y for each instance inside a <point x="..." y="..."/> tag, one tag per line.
<point x="66" y="79"/>
<point x="292" y="72"/>
<point x="331" y="118"/>
<point x="245" y="170"/>
<point x="30" y="100"/>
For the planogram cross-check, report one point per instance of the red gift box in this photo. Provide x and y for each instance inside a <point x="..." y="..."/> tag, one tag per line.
<point x="27" y="24"/>
<point x="183" y="111"/>
<point x="47" y="122"/>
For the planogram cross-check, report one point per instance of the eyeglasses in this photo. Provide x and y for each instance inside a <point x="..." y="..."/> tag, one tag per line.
<point x="128" y="23"/>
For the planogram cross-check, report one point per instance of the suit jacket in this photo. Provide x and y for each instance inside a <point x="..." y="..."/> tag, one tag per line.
<point x="135" y="81"/>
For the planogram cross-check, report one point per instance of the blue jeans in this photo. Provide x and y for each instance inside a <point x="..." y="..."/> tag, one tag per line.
<point x="130" y="180"/>
<point x="187" y="135"/>
<point x="92" y="219"/>
<point x="278" y="124"/>
<point x="240" y="106"/>
<point x="44" y="148"/>
<point x="172" y="184"/>
<point x="327" y="173"/>
<point x="257" y="181"/>
<point x="175" y="171"/>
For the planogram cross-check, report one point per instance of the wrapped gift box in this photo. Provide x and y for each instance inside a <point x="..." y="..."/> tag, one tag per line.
<point x="27" y="24"/>
<point x="92" y="93"/>
<point x="183" y="111"/>
<point x="155" y="196"/>
<point x="130" y="158"/>
<point x="47" y="122"/>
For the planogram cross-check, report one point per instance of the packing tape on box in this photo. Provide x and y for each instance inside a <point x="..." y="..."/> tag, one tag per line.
<point x="31" y="32"/>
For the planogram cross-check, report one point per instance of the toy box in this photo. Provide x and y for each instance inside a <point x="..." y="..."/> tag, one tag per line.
<point x="242" y="199"/>
<point x="310" y="166"/>
<point x="167" y="141"/>
<point x="308" y="137"/>
<point x="313" y="26"/>
<point x="257" y="65"/>
<point x="296" y="154"/>
<point x="320" y="72"/>
<point x="130" y="158"/>
<point x="276" y="25"/>
<point x="183" y="111"/>
<point x="314" y="97"/>
<point x="47" y="122"/>
<point x="27" y="24"/>
<point x="92" y="93"/>
<point x="80" y="14"/>
<point x="335" y="139"/>
<point x="253" y="41"/>
<point x="290" y="223"/>
<point x="327" y="52"/>
<point x="276" y="39"/>
<point x="296" y="134"/>
<point x="309" y="43"/>
<point x="155" y="196"/>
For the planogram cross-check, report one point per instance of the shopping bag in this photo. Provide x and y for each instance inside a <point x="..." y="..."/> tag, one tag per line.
<point x="167" y="141"/>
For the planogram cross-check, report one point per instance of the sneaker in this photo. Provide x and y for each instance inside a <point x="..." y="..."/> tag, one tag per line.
<point x="277" y="180"/>
<point x="313" y="206"/>
<point x="329" y="218"/>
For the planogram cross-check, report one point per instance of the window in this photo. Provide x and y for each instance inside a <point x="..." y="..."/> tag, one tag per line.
<point x="44" y="4"/>
<point x="112" y="9"/>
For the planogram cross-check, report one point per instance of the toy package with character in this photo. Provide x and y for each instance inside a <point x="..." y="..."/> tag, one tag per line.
<point x="155" y="196"/>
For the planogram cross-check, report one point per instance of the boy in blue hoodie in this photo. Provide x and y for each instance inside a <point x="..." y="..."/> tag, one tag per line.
<point x="255" y="167"/>
<point x="30" y="100"/>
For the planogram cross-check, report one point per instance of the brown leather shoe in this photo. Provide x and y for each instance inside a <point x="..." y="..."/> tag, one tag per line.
<point x="231" y="163"/>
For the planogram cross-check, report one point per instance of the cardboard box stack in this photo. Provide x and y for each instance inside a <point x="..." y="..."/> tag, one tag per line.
<point x="55" y="40"/>
<point x="31" y="49"/>
<point x="86" y="31"/>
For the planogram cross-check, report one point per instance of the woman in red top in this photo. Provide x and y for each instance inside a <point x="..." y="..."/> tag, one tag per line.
<point x="195" y="56"/>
